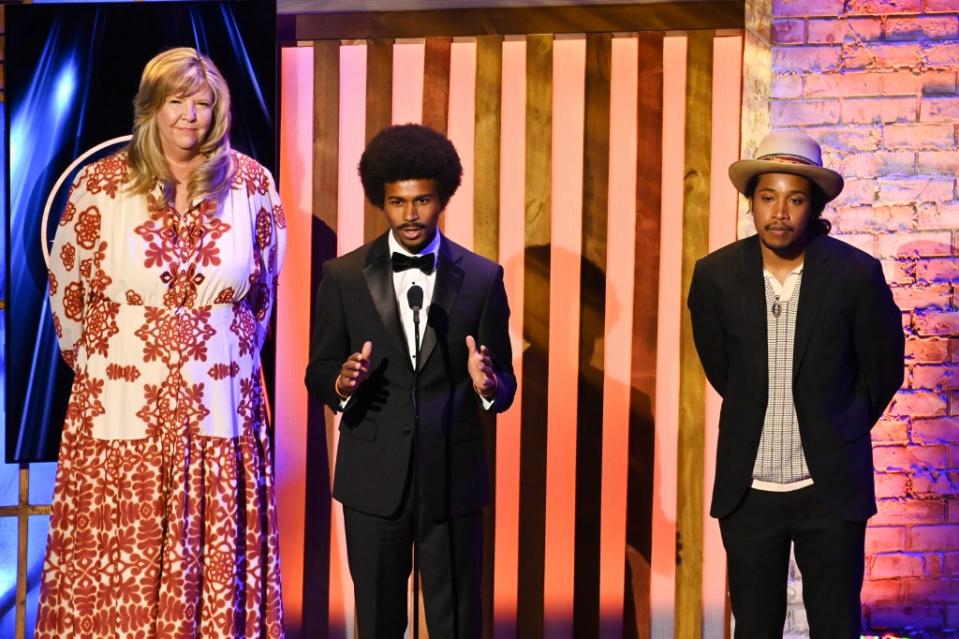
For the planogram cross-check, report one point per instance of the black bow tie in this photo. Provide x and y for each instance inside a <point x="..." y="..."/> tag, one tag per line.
<point x="425" y="263"/>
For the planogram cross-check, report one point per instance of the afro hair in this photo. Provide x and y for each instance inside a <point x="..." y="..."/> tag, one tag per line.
<point x="409" y="152"/>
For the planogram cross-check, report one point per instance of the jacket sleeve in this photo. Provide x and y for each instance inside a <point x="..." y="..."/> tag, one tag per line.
<point x="494" y="333"/>
<point x="708" y="333"/>
<point x="879" y="342"/>
<point x="330" y="344"/>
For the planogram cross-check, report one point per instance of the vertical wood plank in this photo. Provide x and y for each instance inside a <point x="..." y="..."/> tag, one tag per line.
<point x="319" y="432"/>
<point x="692" y="397"/>
<point x="486" y="145"/>
<point x="379" y="105"/>
<point x="539" y="97"/>
<point x="639" y="501"/>
<point x="436" y="83"/>
<point x="589" y="418"/>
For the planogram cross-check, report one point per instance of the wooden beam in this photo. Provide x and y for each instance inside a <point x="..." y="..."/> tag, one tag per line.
<point x="683" y="16"/>
<point x="692" y="382"/>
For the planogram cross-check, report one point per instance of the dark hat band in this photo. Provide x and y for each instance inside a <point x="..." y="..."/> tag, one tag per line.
<point x="785" y="158"/>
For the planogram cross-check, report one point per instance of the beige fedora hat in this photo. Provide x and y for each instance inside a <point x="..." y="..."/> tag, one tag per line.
<point x="787" y="151"/>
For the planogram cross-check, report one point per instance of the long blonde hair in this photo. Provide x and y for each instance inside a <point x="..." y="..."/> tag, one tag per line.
<point x="180" y="71"/>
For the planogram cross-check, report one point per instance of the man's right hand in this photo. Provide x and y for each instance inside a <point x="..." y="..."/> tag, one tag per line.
<point x="353" y="371"/>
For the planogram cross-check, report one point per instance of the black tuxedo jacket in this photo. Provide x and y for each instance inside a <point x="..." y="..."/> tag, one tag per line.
<point x="356" y="302"/>
<point x="847" y="365"/>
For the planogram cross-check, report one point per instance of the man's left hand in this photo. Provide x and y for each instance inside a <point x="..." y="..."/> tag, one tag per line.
<point x="480" y="367"/>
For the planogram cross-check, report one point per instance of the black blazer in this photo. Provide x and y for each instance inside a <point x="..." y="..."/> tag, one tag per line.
<point x="355" y="303"/>
<point x="847" y="365"/>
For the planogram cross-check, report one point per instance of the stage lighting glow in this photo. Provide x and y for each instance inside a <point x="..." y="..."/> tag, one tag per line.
<point x="65" y="88"/>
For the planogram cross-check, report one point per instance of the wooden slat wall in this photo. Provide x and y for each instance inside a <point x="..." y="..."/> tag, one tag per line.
<point x="692" y="397"/>
<point x="592" y="302"/>
<point x="639" y="503"/>
<point x="489" y="72"/>
<point x="533" y="403"/>
<point x="325" y="597"/>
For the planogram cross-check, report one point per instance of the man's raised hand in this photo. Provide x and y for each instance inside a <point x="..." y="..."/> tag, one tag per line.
<point x="354" y="370"/>
<point x="479" y="364"/>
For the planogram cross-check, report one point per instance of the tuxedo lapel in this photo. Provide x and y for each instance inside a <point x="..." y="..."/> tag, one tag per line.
<point x="815" y="277"/>
<point x="379" y="280"/>
<point x="449" y="279"/>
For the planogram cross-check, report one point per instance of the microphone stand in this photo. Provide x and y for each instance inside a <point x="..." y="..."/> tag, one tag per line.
<point x="415" y="298"/>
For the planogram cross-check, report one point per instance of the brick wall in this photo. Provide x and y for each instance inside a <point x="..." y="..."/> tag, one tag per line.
<point x="875" y="82"/>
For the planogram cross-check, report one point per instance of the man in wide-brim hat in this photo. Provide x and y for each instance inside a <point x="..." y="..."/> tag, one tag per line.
<point x="799" y="334"/>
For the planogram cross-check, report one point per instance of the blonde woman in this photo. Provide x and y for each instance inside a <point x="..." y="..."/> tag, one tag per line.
<point x="162" y="278"/>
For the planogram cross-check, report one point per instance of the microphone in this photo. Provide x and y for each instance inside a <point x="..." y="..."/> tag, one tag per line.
<point x="414" y="297"/>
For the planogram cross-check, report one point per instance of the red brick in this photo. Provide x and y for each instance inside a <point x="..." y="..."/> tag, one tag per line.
<point x="954" y="410"/>
<point x="938" y="162"/>
<point x="942" y="55"/>
<point x="833" y="31"/>
<point x="885" y="539"/>
<point x="862" y="241"/>
<point x="791" y="31"/>
<point x="799" y="8"/>
<point x="943" y="483"/>
<point x="931" y="591"/>
<point x="919" y="136"/>
<point x="938" y="269"/>
<point x="922" y="296"/>
<point x="891" y="485"/>
<point x="880" y="590"/>
<point x="805" y="59"/>
<point x="909" y="511"/>
<point x="847" y="138"/>
<point x="883" y="7"/>
<point x="938" y="82"/>
<point x="893" y="217"/>
<point x="878" y="164"/>
<point x="942" y="6"/>
<point x="940" y="215"/>
<point x="802" y="112"/>
<point x="880" y="110"/>
<point x="857" y="191"/>
<point x="917" y="190"/>
<point x="951" y="564"/>
<point x="880" y="83"/>
<point x="900" y="617"/>
<point x="934" y="537"/>
<point x="929" y="351"/>
<point x="892" y="55"/>
<point x="938" y="109"/>
<point x="920" y="27"/>
<point x="909" y="458"/>
<point x="916" y="243"/>
<point x="890" y="431"/>
<point x="786" y="86"/>
<point x="938" y="377"/>
<point x="953" y="352"/>
<point x="896" y="565"/>
<point x="917" y="403"/>
<point x="931" y="323"/>
<point x="899" y="271"/>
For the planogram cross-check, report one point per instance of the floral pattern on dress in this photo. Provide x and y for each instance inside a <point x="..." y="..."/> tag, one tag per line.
<point x="163" y="519"/>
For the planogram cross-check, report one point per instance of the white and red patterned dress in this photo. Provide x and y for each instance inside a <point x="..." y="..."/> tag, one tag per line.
<point x="164" y="518"/>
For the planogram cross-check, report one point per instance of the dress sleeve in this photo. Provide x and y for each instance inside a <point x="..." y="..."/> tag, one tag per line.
<point x="270" y="249"/>
<point x="71" y="266"/>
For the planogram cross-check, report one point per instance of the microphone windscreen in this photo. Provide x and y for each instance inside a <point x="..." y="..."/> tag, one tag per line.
<point x="414" y="297"/>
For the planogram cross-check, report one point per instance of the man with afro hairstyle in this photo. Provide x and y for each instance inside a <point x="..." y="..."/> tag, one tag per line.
<point x="397" y="478"/>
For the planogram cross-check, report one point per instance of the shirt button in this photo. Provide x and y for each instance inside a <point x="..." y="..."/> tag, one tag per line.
<point x="406" y="431"/>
